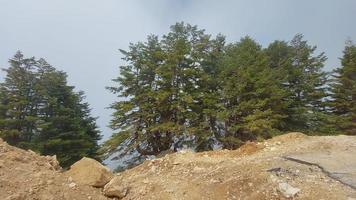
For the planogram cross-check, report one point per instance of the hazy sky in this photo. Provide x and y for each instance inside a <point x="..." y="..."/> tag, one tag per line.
<point x="82" y="37"/>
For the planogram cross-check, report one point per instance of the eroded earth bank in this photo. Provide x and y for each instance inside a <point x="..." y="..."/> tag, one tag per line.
<point x="291" y="166"/>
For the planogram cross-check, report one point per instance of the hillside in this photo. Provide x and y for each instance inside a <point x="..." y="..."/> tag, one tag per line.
<point x="26" y="175"/>
<point x="289" y="166"/>
<point x="317" y="167"/>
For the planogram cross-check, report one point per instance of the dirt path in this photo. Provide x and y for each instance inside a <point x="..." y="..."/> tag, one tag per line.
<point x="337" y="166"/>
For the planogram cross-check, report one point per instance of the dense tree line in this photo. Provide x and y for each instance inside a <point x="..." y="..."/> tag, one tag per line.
<point x="39" y="111"/>
<point x="186" y="87"/>
<point x="189" y="84"/>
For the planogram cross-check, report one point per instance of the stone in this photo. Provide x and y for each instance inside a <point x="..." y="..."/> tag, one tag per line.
<point x="273" y="179"/>
<point x="176" y="163"/>
<point x="90" y="172"/>
<point x="115" y="188"/>
<point x="31" y="152"/>
<point x="273" y="149"/>
<point x="53" y="162"/>
<point x="287" y="190"/>
<point x="72" y="185"/>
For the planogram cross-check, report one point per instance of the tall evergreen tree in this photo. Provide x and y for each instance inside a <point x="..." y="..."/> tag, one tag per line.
<point x="163" y="87"/>
<point x="251" y="95"/>
<point x="18" y="115"/>
<point x="40" y="111"/>
<point x="307" y="85"/>
<point x="302" y="77"/>
<point x="343" y="92"/>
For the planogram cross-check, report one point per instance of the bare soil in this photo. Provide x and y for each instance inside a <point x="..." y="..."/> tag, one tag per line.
<point x="318" y="166"/>
<point x="25" y="175"/>
<point x="252" y="172"/>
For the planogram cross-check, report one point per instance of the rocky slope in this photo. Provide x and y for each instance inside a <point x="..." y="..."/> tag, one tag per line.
<point x="289" y="166"/>
<point x="292" y="166"/>
<point x="25" y="175"/>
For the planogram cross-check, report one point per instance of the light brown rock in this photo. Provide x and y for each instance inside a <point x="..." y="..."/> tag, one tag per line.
<point x="115" y="188"/>
<point x="53" y="162"/>
<point x="88" y="171"/>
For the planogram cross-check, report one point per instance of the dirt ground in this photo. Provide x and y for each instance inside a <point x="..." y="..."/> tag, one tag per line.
<point x="251" y="172"/>
<point x="26" y="176"/>
<point x="321" y="168"/>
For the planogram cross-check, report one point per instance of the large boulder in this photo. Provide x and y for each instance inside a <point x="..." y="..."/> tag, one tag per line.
<point x="115" y="188"/>
<point x="88" y="171"/>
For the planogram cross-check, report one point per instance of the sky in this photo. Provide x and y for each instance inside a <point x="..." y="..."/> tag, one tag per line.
<point x="82" y="37"/>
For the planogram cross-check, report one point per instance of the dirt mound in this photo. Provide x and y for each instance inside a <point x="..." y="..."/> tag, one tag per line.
<point x="255" y="171"/>
<point x="289" y="137"/>
<point x="25" y="175"/>
<point x="292" y="166"/>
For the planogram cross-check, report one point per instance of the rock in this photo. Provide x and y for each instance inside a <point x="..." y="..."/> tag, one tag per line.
<point x="198" y="169"/>
<point x="72" y="185"/>
<point x="88" y="171"/>
<point x="31" y="152"/>
<point x="273" y="179"/>
<point x="273" y="149"/>
<point x="115" y="188"/>
<point x="53" y="162"/>
<point x="287" y="190"/>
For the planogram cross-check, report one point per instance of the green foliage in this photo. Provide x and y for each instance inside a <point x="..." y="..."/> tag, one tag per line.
<point x="40" y="112"/>
<point x="301" y="76"/>
<point x="251" y="96"/>
<point x="190" y="84"/>
<point x="116" y="139"/>
<point x="168" y="88"/>
<point x="343" y="93"/>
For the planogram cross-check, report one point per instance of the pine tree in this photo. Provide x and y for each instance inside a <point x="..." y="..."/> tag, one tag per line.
<point x="306" y="84"/>
<point x="165" y="84"/>
<point x="343" y="92"/>
<point x="18" y="114"/>
<point x="39" y="111"/>
<point x="209" y="91"/>
<point x="252" y="98"/>
<point x="301" y="76"/>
